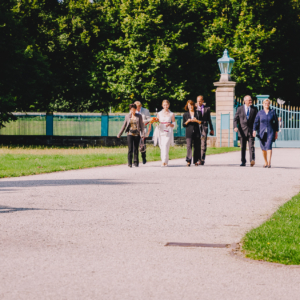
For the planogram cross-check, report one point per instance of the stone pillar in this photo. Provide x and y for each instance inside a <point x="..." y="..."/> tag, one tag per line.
<point x="225" y="95"/>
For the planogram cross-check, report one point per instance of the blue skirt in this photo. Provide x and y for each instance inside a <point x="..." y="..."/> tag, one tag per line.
<point x="266" y="141"/>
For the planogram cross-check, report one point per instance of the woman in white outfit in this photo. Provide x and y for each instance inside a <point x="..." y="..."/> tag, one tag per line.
<point x="164" y="132"/>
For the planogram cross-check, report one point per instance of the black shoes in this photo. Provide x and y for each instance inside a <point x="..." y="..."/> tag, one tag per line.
<point x="136" y="165"/>
<point x="130" y="166"/>
<point x="202" y="163"/>
<point x="144" y="161"/>
<point x="243" y="165"/>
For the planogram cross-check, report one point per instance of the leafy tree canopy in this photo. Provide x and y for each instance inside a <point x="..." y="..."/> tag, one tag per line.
<point x="78" y="55"/>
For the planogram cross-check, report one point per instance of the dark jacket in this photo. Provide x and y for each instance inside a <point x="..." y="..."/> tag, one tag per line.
<point x="126" y="125"/>
<point x="192" y="128"/>
<point x="240" y="120"/>
<point x="205" y="118"/>
<point x="265" y="121"/>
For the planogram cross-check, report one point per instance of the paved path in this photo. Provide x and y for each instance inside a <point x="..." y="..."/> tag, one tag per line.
<point x="100" y="233"/>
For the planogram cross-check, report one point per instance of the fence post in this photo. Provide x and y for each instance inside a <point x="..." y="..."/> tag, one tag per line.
<point x="178" y="120"/>
<point x="104" y="125"/>
<point x="49" y="123"/>
<point x="225" y="96"/>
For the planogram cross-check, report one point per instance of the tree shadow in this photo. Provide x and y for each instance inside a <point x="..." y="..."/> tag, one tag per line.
<point x="60" y="182"/>
<point x="8" y="209"/>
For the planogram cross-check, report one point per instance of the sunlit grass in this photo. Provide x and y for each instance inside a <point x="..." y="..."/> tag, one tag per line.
<point x="20" y="161"/>
<point x="278" y="239"/>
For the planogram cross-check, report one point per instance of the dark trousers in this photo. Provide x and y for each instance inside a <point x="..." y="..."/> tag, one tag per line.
<point x="251" y="141"/>
<point x="203" y="145"/>
<point x="144" y="155"/>
<point x="189" y="143"/>
<point x="133" y="148"/>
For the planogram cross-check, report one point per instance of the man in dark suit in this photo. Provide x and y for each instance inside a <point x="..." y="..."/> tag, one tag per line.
<point x="204" y="117"/>
<point x="243" y="124"/>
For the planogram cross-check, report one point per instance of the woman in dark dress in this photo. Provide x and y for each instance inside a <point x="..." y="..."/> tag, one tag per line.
<point x="266" y="123"/>
<point x="191" y="123"/>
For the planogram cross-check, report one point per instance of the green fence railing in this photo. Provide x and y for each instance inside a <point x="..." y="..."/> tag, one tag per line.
<point x="74" y="124"/>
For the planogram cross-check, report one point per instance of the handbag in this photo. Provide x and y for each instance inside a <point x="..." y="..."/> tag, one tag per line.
<point x="142" y="146"/>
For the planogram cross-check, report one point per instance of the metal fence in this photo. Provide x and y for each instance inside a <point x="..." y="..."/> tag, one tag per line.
<point x="75" y="124"/>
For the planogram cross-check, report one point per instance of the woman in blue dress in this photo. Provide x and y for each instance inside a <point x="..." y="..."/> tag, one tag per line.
<point x="266" y="123"/>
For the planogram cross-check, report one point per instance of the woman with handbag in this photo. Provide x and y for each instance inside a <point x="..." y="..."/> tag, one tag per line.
<point x="266" y="123"/>
<point x="134" y="126"/>
<point x="191" y="123"/>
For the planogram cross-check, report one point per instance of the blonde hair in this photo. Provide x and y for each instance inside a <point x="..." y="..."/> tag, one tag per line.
<point x="267" y="100"/>
<point x="165" y="101"/>
<point x="138" y="103"/>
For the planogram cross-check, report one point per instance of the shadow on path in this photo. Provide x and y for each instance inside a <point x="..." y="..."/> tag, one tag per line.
<point x="59" y="182"/>
<point x="9" y="209"/>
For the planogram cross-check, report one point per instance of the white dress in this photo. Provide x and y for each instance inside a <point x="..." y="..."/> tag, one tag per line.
<point x="164" y="136"/>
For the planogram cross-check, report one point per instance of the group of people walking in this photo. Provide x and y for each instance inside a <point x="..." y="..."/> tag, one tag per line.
<point x="195" y="120"/>
<point x="248" y="122"/>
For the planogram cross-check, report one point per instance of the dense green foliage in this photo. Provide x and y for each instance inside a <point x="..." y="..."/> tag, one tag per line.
<point x="74" y="55"/>
<point x="36" y="160"/>
<point x="278" y="239"/>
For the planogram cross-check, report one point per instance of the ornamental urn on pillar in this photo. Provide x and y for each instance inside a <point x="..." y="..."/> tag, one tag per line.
<point x="225" y="95"/>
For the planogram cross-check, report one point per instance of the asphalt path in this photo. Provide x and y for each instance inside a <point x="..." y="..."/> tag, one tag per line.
<point x="100" y="233"/>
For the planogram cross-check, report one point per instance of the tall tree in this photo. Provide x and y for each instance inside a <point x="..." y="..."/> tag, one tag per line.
<point x="24" y="70"/>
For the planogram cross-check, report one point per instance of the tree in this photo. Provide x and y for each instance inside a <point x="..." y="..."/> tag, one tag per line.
<point x="24" y="70"/>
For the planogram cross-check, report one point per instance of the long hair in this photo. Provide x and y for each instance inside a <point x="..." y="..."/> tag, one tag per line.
<point x="191" y="102"/>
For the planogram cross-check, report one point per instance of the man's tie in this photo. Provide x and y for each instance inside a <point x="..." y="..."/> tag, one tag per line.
<point x="248" y="112"/>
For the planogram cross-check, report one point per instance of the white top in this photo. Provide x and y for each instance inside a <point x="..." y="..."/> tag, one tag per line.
<point x="163" y="118"/>
<point x="162" y="130"/>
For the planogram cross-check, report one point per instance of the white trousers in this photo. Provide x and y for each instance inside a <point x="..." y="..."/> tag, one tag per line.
<point x="165" y="142"/>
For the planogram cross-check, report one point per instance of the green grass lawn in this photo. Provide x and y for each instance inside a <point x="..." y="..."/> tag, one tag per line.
<point x="16" y="162"/>
<point x="278" y="239"/>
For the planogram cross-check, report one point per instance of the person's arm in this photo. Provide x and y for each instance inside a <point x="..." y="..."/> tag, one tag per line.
<point x="256" y="125"/>
<point x="210" y="123"/>
<point x="142" y="128"/>
<point x="147" y="116"/>
<point x="236" y="120"/>
<point x="173" y="121"/>
<point x="276" y="125"/>
<point x="122" y="129"/>
<point x="185" y="121"/>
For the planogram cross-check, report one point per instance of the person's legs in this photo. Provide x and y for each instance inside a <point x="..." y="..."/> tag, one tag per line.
<point x="189" y="150"/>
<point x="243" y="141"/>
<point x="144" y="157"/>
<point x="130" y="148"/>
<point x="196" y="149"/>
<point x="136" y="143"/>
<point x="162" y="148"/>
<point x="251" y="141"/>
<point x="203" y="147"/>
<point x="269" y="156"/>
<point x="168" y="144"/>
<point x="265" y="157"/>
